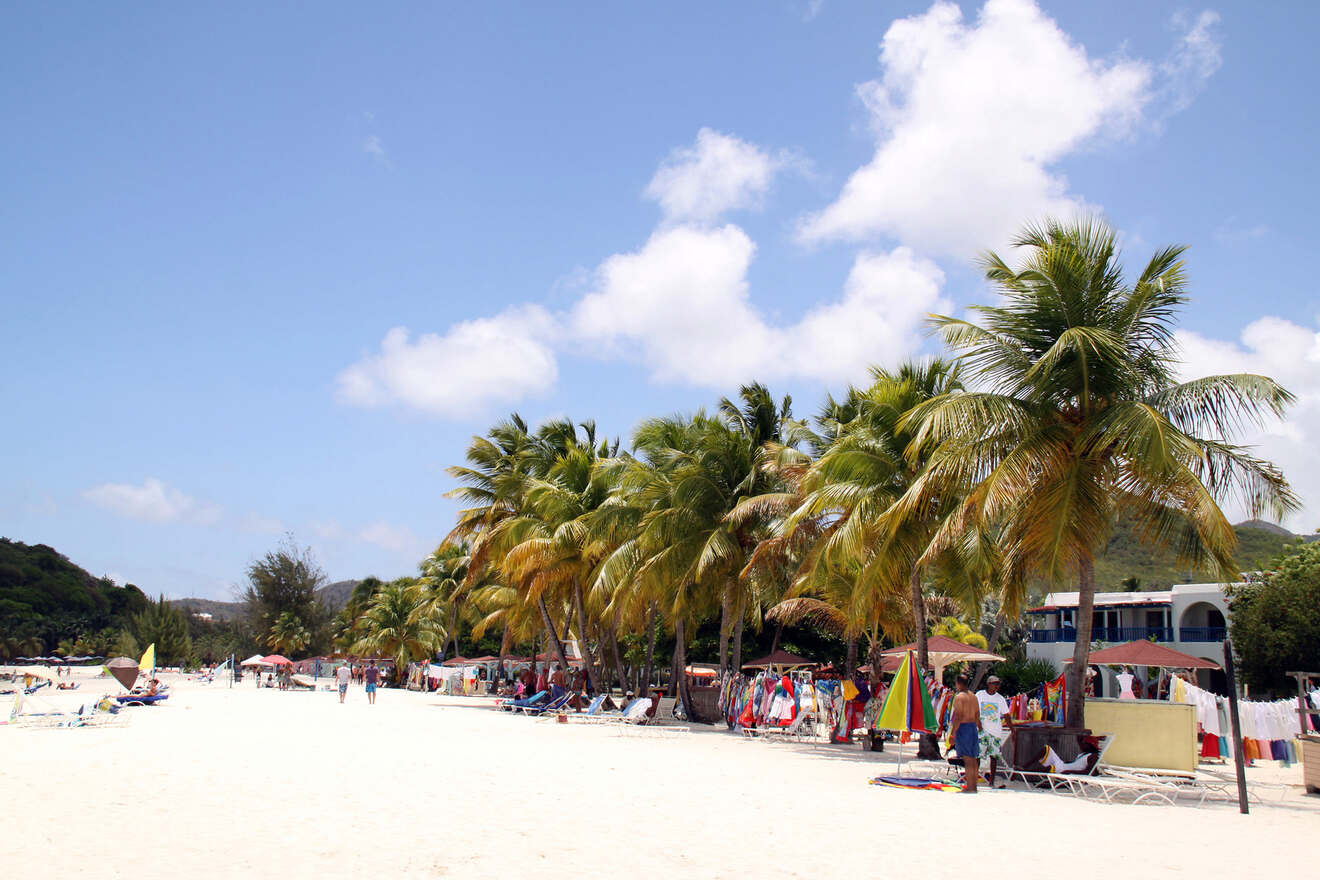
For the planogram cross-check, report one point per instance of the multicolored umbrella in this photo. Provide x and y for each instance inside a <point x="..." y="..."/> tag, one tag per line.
<point x="907" y="705"/>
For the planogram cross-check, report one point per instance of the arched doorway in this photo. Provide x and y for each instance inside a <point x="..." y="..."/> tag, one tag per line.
<point x="1201" y="622"/>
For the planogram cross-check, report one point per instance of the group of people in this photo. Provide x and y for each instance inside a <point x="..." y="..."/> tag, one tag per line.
<point x="980" y="728"/>
<point x="369" y="675"/>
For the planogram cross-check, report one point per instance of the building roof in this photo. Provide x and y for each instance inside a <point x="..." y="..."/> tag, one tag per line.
<point x="1143" y="653"/>
<point x="1149" y="598"/>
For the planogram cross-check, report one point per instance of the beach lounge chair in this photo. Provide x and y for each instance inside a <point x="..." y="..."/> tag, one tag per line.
<point x="592" y="711"/>
<point x="548" y="706"/>
<point x="518" y="705"/>
<point x="603" y="717"/>
<point x="803" y="726"/>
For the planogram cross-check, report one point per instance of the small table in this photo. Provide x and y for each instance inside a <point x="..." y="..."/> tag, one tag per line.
<point x="1029" y="739"/>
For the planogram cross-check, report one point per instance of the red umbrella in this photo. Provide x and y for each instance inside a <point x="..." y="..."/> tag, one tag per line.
<point x="277" y="660"/>
<point x="1144" y="653"/>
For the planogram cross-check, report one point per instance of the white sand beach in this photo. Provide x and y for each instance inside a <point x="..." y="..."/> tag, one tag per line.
<point x="224" y="782"/>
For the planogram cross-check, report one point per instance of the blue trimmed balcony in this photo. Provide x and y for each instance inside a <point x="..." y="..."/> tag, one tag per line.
<point x="1202" y="633"/>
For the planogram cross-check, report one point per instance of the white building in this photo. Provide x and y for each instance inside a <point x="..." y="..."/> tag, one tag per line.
<point x="1192" y="618"/>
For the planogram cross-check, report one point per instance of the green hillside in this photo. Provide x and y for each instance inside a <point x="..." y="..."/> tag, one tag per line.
<point x="1259" y="544"/>
<point x="46" y="597"/>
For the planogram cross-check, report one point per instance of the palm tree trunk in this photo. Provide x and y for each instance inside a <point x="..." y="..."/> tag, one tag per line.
<point x="919" y="615"/>
<point x="680" y="665"/>
<point x="650" y="650"/>
<point x="619" y="672"/>
<point x="726" y="613"/>
<point x="779" y="630"/>
<point x="850" y="663"/>
<point x="552" y="637"/>
<point x="589" y="663"/>
<point x="984" y="665"/>
<point x="740" y="613"/>
<point x="1082" y="649"/>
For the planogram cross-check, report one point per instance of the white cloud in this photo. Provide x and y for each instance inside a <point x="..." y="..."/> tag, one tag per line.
<point x="813" y="9"/>
<point x="399" y="539"/>
<point x="1194" y="59"/>
<point x="682" y="305"/>
<point x="374" y="147"/>
<point x="886" y="300"/>
<point x="1290" y="354"/>
<point x="457" y="374"/>
<point x="153" y="501"/>
<point x="970" y="119"/>
<point x="719" y="173"/>
<point x="1232" y="233"/>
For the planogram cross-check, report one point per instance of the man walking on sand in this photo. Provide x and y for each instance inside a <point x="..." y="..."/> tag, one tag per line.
<point x="342" y="675"/>
<point x="966" y="732"/>
<point x="994" y="709"/>
<point x="372" y="676"/>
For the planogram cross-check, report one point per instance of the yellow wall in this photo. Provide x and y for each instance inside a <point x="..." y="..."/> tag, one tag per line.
<point x="1147" y="733"/>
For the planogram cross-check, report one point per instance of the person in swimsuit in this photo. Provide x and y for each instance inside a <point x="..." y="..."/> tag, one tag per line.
<point x="967" y="732"/>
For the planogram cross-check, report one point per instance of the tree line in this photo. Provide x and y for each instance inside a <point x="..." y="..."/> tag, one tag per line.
<point x="958" y="480"/>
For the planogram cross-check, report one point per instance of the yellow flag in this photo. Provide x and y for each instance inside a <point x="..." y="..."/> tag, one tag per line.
<point x="148" y="660"/>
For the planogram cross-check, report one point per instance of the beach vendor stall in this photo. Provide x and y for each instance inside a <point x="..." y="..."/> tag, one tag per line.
<point x="1155" y="734"/>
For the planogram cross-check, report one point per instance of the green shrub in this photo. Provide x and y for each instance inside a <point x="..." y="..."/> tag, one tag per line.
<point x="1020" y="676"/>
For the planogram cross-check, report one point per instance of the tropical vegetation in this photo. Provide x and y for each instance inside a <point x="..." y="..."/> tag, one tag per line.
<point x="939" y="497"/>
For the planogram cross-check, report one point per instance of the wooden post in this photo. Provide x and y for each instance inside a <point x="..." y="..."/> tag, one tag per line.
<point x="1237" y="728"/>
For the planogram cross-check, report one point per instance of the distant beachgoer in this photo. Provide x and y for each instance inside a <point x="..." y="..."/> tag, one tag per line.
<point x="966" y="731"/>
<point x="371" y="675"/>
<point x="342" y="675"/>
<point x="557" y="682"/>
<point x="994" y="709"/>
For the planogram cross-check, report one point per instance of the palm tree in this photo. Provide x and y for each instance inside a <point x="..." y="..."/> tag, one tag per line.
<point x="398" y="624"/>
<point x="1078" y="418"/>
<point x="495" y="484"/>
<point x="444" y="582"/>
<point x="287" y="634"/>
<point x="953" y="628"/>
<point x="868" y="467"/>
<point x="547" y="546"/>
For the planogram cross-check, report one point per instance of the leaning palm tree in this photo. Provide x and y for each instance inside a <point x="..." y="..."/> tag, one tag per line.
<point x="1078" y="418"/>
<point x="398" y="625"/>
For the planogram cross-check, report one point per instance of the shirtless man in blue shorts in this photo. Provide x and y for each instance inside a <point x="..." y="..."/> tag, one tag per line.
<point x="967" y="732"/>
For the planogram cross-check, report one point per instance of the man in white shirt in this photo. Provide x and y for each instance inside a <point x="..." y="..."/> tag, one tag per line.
<point x="341" y="676"/>
<point x="994" y="710"/>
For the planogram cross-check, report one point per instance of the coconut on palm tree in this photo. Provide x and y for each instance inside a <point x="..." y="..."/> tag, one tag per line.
<point x="1077" y="416"/>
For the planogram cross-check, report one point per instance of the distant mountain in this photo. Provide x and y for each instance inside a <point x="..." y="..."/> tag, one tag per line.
<point x="1260" y="543"/>
<point x="1265" y="526"/>
<point x="335" y="596"/>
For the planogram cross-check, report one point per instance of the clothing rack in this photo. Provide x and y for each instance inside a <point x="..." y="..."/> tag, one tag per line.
<point x="1303" y="710"/>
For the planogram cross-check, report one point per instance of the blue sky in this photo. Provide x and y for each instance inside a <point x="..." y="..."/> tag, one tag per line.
<point x="268" y="269"/>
